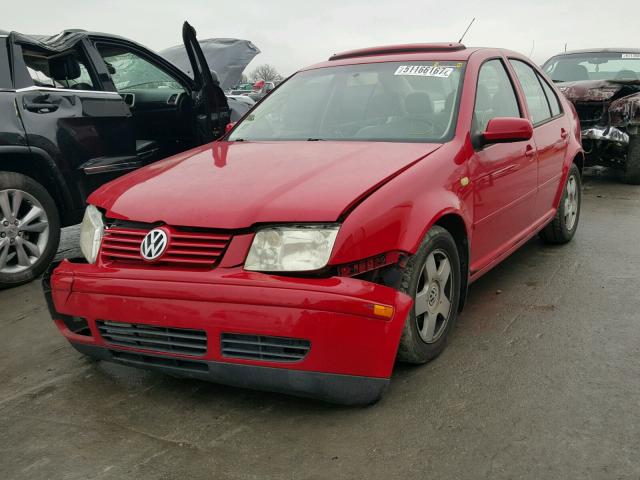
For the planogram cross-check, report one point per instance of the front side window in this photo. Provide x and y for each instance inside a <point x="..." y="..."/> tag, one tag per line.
<point x="495" y="96"/>
<point x="390" y="101"/>
<point x="130" y="71"/>
<point x="612" y="66"/>
<point x="533" y="92"/>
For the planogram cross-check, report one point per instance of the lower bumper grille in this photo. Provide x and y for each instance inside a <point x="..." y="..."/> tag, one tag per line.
<point x="137" y="360"/>
<point x="254" y="347"/>
<point x="159" y="339"/>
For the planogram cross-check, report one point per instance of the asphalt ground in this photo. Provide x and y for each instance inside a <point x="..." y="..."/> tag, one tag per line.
<point x="540" y="381"/>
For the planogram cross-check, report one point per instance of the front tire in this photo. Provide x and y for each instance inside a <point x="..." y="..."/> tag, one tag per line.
<point x="432" y="278"/>
<point x="29" y="229"/>
<point x="564" y="225"/>
<point x="632" y="167"/>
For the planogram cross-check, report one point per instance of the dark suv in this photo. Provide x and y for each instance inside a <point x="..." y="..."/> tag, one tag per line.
<point x="77" y="110"/>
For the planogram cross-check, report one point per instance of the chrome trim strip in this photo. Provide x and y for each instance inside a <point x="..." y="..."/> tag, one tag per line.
<point x="65" y="90"/>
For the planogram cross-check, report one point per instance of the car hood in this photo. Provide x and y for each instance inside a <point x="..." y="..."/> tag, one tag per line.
<point x="228" y="57"/>
<point x="597" y="90"/>
<point x="233" y="185"/>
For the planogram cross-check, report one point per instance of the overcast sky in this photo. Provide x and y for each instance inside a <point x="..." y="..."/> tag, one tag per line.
<point x="292" y="34"/>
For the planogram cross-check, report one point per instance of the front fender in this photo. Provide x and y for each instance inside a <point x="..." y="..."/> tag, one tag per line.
<point x="399" y="214"/>
<point x="625" y="111"/>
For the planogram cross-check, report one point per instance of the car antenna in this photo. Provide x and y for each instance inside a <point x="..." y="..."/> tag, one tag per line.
<point x="468" y="27"/>
<point x="533" y="46"/>
<point x="565" y="46"/>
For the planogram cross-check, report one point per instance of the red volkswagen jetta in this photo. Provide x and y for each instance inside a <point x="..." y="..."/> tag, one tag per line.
<point x="334" y="230"/>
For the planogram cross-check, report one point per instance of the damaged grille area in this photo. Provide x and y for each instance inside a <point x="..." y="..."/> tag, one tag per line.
<point x="590" y="113"/>
<point x="255" y="347"/>
<point x="160" y="339"/>
<point x="189" y="249"/>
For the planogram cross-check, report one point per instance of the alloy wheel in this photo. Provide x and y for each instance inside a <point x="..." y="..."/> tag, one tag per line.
<point x="433" y="296"/>
<point x="571" y="203"/>
<point x="24" y="230"/>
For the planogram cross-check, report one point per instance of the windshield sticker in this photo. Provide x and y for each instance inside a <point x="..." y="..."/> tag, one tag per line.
<point x="425" y="70"/>
<point x="631" y="55"/>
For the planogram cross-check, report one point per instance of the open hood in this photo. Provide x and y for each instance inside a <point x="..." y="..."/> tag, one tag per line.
<point x="228" y="57"/>
<point x="233" y="185"/>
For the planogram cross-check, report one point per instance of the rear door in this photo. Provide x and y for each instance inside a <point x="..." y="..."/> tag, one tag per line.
<point x="504" y="175"/>
<point x="210" y="108"/>
<point x="67" y="114"/>
<point x="550" y="132"/>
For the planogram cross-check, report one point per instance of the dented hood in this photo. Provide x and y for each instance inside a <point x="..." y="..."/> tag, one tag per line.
<point x="597" y="90"/>
<point x="233" y="185"/>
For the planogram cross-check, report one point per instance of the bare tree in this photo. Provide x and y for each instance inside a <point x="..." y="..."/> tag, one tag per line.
<point x="244" y="78"/>
<point x="266" y="72"/>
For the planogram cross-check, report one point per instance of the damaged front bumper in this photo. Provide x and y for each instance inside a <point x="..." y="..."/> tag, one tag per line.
<point x="209" y="327"/>
<point x="606" y="134"/>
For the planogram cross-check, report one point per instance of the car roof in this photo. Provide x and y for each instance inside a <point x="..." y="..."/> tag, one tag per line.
<point x="413" y="52"/>
<point x="600" y="50"/>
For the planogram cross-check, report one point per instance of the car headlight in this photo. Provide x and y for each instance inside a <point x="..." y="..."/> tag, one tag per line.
<point x="296" y="248"/>
<point x="91" y="233"/>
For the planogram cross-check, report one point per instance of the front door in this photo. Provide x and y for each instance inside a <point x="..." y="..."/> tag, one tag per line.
<point x="504" y="176"/>
<point x="210" y="106"/>
<point x="66" y="113"/>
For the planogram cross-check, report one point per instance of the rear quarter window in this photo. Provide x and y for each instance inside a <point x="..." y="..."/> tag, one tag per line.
<point x="5" y="74"/>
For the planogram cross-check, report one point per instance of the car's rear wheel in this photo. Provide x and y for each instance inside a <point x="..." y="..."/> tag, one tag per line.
<point x="29" y="229"/>
<point x="632" y="166"/>
<point x="432" y="278"/>
<point x="564" y="225"/>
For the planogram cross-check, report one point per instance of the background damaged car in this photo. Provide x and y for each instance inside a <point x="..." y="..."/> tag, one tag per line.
<point x="79" y="109"/>
<point x="604" y="86"/>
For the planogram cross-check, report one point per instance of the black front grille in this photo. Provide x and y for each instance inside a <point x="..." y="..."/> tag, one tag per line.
<point x="160" y="339"/>
<point x="590" y="113"/>
<point x="254" y="347"/>
<point x="137" y="360"/>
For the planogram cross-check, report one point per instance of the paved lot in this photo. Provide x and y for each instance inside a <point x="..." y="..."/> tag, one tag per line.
<point x="540" y="381"/>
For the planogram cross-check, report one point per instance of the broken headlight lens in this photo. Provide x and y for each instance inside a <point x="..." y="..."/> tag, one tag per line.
<point x="299" y="248"/>
<point x="91" y="233"/>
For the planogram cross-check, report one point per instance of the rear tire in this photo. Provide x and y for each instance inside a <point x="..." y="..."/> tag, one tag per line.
<point x="29" y="229"/>
<point x="432" y="277"/>
<point x="632" y="167"/>
<point x="564" y="225"/>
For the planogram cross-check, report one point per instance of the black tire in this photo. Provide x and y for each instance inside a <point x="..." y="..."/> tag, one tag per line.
<point x="16" y="181"/>
<point x="562" y="229"/>
<point x="412" y="348"/>
<point x="632" y="166"/>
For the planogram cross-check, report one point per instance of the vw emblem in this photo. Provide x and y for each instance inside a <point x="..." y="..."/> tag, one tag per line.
<point x="154" y="244"/>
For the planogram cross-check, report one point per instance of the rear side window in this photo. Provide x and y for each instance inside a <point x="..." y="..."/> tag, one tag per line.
<point x="551" y="96"/>
<point x="533" y="92"/>
<point x="495" y="96"/>
<point x="5" y="74"/>
<point x="67" y="70"/>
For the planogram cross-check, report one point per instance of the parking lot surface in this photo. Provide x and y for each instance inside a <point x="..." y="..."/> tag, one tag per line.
<point x="540" y="380"/>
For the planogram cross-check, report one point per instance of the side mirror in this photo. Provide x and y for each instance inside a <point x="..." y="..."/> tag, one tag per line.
<point x="507" y="129"/>
<point x="229" y="127"/>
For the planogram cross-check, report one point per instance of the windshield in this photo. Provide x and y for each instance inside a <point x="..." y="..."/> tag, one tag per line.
<point x="394" y="101"/>
<point x="594" y="66"/>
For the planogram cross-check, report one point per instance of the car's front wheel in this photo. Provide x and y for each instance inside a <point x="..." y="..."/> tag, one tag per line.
<point x="432" y="278"/>
<point x="632" y="166"/>
<point x="29" y="229"/>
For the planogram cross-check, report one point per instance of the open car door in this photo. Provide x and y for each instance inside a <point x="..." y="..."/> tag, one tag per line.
<point x="210" y="109"/>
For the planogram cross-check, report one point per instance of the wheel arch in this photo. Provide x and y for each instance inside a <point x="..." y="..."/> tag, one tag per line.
<point x="38" y="165"/>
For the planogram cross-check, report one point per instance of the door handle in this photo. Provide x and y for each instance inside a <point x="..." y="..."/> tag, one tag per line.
<point x="40" y="107"/>
<point x="563" y="133"/>
<point x="530" y="151"/>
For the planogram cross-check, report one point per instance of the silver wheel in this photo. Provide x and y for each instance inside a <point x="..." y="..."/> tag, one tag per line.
<point x="24" y="231"/>
<point x="433" y="298"/>
<point x="571" y="203"/>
